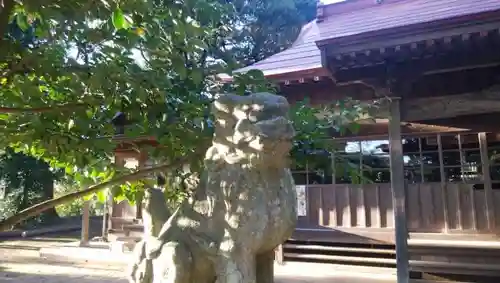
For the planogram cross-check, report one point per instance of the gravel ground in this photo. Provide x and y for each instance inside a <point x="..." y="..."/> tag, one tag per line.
<point x="20" y="262"/>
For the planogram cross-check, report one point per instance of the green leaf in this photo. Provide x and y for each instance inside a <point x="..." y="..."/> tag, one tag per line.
<point x="120" y="198"/>
<point x="119" y="20"/>
<point x="22" y="21"/>
<point x="88" y="197"/>
<point x="102" y="196"/>
<point x="69" y="170"/>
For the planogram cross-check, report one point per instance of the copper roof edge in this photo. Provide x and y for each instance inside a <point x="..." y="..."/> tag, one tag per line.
<point x="289" y="75"/>
<point x="415" y="29"/>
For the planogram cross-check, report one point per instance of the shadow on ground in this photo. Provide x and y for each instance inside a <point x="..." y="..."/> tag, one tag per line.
<point x="19" y="247"/>
<point x="75" y="264"/>
<point x="68" y="238"/>
<point x="14" y="277"/>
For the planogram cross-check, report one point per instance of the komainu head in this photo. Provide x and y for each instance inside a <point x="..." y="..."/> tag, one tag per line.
<point x="253" y="129"/>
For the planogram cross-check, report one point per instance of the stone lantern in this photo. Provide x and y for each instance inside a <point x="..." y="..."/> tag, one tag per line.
<point x="119" y="219"/>
<point x="122" y="217"/>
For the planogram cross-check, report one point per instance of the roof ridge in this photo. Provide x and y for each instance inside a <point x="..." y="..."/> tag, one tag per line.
<point x="304" y="32"/>
<point x="350" y="6"/>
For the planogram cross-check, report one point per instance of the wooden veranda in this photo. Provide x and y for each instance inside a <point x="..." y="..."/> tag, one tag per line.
<point x="438" y="62"/>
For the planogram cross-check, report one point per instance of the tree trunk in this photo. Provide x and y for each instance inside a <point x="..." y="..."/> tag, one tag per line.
<point x="47" y="194"/>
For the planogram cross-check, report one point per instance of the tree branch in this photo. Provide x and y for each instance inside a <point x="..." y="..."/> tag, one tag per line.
<point x="65" y="107"/>
<point x="35" y="210"/>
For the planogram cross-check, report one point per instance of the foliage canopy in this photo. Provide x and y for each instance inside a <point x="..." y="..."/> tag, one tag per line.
<point x="67" y="67"/>
<point x="25" y="181"/>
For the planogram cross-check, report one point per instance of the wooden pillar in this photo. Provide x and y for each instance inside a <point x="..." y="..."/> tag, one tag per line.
<point x="444" y="189"/>
<point x="488" y="190"/>
<point x="84" y="240"/>
<point x="398" y="186"/>
<point x="422" y="175"/>
<point x="360" y="162"/>
<point x="334" y="173"/>
<point x="462" y="178"/>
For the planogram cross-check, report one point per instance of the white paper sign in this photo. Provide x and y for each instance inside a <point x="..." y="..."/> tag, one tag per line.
<point x="301" y="200"/>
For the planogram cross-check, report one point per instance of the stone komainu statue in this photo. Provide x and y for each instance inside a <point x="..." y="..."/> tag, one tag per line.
<point x="243" y="207"/>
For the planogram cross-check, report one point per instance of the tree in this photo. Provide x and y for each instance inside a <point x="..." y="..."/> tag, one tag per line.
<point x="155" y="61"/>
<point x="266" y="28"/>
<point x="25" y="181"/>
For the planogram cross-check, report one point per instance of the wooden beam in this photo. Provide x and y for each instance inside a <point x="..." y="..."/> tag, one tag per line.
<point x="480" y="102"/>
<point x="379" y="129"/>
<point x="412" y="109"/>
<point x="454" y="60"/>
<point x="474" y="123"/>
<point x="398" y="185"/>
<point x="463" y="68"/>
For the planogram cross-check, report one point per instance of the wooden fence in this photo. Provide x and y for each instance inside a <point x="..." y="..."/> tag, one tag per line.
<point x="431" y="207"/>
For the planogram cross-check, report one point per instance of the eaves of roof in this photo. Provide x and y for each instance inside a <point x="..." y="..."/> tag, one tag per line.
<point x="304" y="56"/>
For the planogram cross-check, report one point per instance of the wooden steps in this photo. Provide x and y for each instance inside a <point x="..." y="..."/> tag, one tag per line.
<point x="358" y="255"/>
<point x="449" y="260"/>
<point x="342" y="259"/>
<point x="431" y="281"/>
<point x="339" y="249"/>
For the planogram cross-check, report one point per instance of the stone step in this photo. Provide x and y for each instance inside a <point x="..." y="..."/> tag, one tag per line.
<point x="119" y="222"/>
<point x="122" y="246"/>
<point x="114" y="233"/>
<point x="122" y="241"/>
<point x="124" y="220"/>
<point x="133" y="227"/>
<point x="112" y="237"/>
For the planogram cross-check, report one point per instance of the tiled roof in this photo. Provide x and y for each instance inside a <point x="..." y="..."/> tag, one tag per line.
<point x="399" y="14"/>
<point x="304" y="54"/>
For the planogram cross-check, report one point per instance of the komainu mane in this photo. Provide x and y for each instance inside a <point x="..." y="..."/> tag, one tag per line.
<point x="244" y="206"/>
